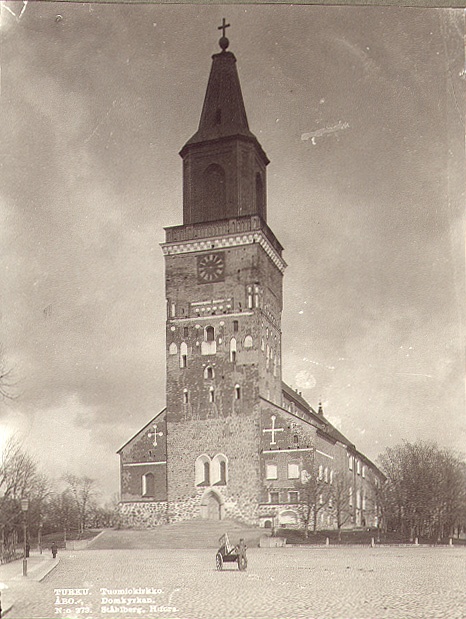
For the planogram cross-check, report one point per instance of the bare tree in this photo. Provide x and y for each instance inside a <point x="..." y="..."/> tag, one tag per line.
<point x="62" y="512"/>
<point x="19" y="478"/>
<point x="314" y="496"/>
<point x="83" y="490"/>
<point x="7" y="380"/>
<point x="378" y="501"/>
<point x="341" y="503"/>
<point x="18" y="471"/>
<point x="425" y="489"/>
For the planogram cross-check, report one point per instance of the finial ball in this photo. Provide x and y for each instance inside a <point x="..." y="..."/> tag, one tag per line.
<point x="224" y="43"/>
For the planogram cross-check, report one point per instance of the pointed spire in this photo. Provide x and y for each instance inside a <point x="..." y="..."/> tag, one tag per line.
<point x="223" y="113"/>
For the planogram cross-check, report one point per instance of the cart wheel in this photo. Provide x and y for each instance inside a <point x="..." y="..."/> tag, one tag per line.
<point x="219" y="561"/>
<point x="242" y="563"/>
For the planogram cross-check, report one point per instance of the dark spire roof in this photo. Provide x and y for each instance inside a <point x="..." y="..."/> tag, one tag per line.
<point x="223" y="113"/>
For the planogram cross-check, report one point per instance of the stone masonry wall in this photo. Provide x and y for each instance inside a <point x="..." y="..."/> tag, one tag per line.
<point x="235" y="437"/>
<point x="140" y="515"/>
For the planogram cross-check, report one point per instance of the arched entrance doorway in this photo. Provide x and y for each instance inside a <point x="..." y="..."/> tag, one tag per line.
<point x="211" y="506"/>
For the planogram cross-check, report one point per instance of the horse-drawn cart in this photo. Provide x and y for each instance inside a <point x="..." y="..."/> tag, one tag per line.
<point x="231" y="554"/>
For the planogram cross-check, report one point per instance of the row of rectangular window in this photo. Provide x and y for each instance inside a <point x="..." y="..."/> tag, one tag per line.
<point x="293" y="497"/>
<point x="186" y="329"/>
<point x="253" y="301"/>
<point x="360" y="470"/>
<point x="271" y="471"/>
<point x="237" y="393"/>
<point x="360" y="499"/>
<point x="293" y="472"/>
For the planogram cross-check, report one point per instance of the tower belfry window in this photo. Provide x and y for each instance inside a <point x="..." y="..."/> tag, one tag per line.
<point x="214" y="194"/>
<point x="209" y="334"/>
<point x="260" y="195"/>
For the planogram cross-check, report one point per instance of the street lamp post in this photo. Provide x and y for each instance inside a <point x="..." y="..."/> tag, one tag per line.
<point x="24" y="508"/>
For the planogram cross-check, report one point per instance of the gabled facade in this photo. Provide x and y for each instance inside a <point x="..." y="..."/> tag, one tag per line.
<point x="233" y="441"/>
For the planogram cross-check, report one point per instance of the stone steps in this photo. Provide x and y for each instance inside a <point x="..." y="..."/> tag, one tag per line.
<point x="190" y="534"/>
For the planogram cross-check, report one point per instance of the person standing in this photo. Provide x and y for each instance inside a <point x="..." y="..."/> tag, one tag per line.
<point x="54" y="549"/>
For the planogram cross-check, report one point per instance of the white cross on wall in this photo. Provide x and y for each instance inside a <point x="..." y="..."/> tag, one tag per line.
<point x="155" y="434"/>
<point x="273" y="430"/>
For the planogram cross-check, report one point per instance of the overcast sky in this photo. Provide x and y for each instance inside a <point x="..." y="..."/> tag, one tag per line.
<point x="360" y="111"/>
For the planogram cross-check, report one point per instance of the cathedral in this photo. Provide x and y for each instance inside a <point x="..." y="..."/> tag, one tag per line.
<point x="234" y="441"/>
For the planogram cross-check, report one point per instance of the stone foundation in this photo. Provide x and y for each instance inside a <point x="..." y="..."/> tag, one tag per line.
<point x="142" y="515"/>
<point x="191" y="508"/>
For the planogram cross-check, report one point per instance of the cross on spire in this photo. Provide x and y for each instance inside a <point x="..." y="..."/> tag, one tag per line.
<point x="223" y="27"/>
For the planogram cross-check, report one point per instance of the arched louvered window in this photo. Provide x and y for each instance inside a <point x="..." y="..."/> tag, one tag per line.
<point x="260" y="195"/>
<point x="214" y="195"/>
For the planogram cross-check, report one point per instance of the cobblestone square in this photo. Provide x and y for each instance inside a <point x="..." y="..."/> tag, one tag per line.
<point x="289" y="583"/>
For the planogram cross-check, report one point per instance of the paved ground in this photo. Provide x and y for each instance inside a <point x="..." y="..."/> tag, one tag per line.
<point x="291" y="583"/>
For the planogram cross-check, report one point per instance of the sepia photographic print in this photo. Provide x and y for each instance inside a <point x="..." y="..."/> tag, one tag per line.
<point x="232" y="311"/>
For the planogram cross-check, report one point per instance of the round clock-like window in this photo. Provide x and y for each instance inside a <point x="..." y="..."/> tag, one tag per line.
<point x="211" y="267"/>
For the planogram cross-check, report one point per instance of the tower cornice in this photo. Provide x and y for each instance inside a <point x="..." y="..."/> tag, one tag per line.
<point x="224" y="242"/>
<point x="251" y="139"/>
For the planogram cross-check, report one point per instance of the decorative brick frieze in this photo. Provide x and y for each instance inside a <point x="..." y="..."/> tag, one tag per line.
<point x="225" y="242"/>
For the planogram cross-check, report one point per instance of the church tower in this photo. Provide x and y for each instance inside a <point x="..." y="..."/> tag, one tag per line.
<point x="224" y="271"/>
<point x="234" y="441"/>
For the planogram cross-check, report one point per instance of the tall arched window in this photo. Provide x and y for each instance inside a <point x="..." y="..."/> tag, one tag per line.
<point x="202" y="471"/>
<point x="148" y="484"/>
<point x="209" y="334"/>
<point x="233" y="350"/>
<point x="219" y="470"/>
<point x="207" y="473"/>
<point x="214" y="198"/>
<point x="183" y="355"/>
<point x="248" y="341"/>
<point x="209" y="372"/>
<point x="223" y="473"/>
<point x="173" y="349"/>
